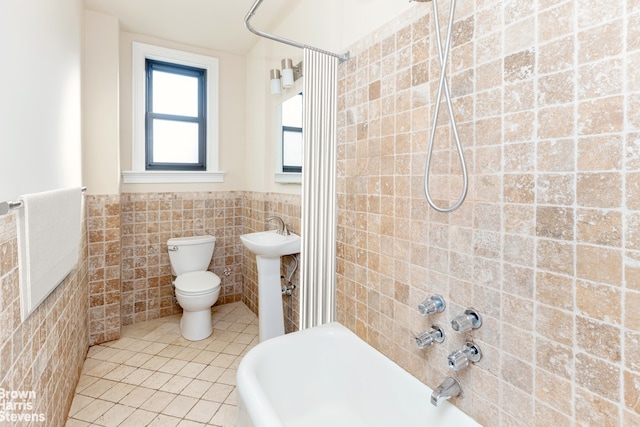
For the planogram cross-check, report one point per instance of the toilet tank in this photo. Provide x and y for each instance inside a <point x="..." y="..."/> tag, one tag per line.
<point x="188" y="254"/>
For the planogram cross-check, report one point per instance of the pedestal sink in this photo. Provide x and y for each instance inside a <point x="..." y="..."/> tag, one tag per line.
<point x="269" y="246"/>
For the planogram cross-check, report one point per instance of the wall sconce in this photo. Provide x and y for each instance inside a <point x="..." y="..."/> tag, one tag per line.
<point x="289" y="75"/>
<point x="275" y="82"/>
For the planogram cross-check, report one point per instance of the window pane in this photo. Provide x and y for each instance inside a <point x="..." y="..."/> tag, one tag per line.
<point x="292" y="112"/>
<point x="175" y="142"/>
<point x="175" y="94"/>
<point x="292" y="148"/>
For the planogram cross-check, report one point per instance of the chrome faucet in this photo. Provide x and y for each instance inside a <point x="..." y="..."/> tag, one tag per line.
<point x="282" y="227"/>
<point x="449" y="388"/>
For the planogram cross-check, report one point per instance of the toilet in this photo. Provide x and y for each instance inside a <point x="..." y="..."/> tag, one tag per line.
<point x="196" y="288"/>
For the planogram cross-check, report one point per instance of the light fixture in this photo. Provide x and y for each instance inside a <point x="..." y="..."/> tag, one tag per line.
<point x="289" y="75"/>
<point x="275" y="82"/>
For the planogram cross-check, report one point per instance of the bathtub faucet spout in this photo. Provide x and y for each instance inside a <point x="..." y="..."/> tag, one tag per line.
<point x="449" y="388"/>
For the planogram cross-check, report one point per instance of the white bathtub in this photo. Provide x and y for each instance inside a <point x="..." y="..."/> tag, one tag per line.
<point x="328" y="377"/>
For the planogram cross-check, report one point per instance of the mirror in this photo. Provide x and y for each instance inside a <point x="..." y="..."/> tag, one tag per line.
<point x="288" y="140"/>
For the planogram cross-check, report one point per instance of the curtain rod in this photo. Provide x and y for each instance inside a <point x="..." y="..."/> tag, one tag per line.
<point x="252" y="11"/>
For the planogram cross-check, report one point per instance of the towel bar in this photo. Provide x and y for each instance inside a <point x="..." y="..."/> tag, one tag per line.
<point x="7" y="206"/>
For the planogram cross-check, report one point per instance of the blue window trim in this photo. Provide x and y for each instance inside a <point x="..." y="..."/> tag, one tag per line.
<point x="201" y="74"/>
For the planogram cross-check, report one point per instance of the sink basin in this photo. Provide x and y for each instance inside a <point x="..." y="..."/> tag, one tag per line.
<point x="270" y="244"/>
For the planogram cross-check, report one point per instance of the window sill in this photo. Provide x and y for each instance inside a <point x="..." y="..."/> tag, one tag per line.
<point x="288" y="178"/>
<point x="150" y="177"/>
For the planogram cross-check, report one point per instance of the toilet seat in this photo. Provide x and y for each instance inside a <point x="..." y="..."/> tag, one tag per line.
<point x="197" y="283"/>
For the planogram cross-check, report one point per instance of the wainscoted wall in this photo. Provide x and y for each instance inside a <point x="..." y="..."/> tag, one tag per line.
<point x="129" y="269"/>
<point x="149" y="220"/>
<point x="257" y="208"/>
<point x="103" y="224"/>
<point x="546" y="246"/>
<point x="45" y="353"/>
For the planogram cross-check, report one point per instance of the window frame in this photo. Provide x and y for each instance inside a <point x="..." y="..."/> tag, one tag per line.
<point x="178" y="69"/>
<point x="138" y="172"/>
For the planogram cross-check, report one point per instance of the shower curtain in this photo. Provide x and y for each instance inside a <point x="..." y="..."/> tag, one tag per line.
<point x="318" y="225"/>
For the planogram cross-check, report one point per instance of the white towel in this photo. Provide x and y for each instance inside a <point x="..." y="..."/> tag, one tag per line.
<point x="48" y="238"/>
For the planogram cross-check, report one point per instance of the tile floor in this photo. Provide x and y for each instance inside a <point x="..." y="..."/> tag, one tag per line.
<point x="154" y="377"/>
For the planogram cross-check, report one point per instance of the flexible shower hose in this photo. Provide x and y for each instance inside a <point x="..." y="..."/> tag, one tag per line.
<point x="442" y="85"/>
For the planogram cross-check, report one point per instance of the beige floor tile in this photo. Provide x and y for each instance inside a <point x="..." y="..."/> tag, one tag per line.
<point x="98" y="388"/>
<point x="228" y="377"/>
<point x="154" y="348"/>
<point x="79" y="402"/>
<point x="93" y="410"/>
<point x="180" y="406"/>
<point x="158" y="401"/>
<point x="137" y="397"/>
<point x="210" y="373"/>
<point x="173" y="366"/>
<point x="218" y="392"/>
<point x="203" y="411"/>
<point x="138" y="376"/>
<point x="117" y="392"/>
<point x="164" y="421"/>
<point x="102" y="368"/>
<point x="225" y="417"/>
<point x="176" y="384"/>
<point x="223" y="360"/>
<point x="138" y="418"/>
<point x="76" y="423"/>
<point x="138" y="360"/>
<point x="205" y="356"/>
<point x="114" y="416"/>
<point x="156" y="380"/>
<point x="155" y="363"/>
<point x="119" y="373"/>
<point x="192" y="369"/>
<point x="196" y="388"/>
<point x="153" y="376"/>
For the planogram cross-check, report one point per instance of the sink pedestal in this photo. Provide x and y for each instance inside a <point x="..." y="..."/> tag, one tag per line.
<point x="269" y="246"/>
<point x="270" y="313"/>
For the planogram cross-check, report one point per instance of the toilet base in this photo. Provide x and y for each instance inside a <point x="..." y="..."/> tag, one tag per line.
<point x="196" y="325"/>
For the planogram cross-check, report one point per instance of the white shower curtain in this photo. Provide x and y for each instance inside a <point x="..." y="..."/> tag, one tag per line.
<point x="318" y="226"/>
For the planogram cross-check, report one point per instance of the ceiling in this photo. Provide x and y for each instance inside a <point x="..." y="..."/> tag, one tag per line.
<point x="213" y="24"/>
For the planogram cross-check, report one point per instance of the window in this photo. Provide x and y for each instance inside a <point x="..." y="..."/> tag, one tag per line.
<point x="175" y="118"/>
<point x="175" y="131"/>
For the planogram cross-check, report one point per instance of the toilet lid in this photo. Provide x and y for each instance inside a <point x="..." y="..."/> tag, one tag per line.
<point x="197" y="282"/>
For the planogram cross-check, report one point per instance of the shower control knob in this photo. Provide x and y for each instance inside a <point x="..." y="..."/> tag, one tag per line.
<point x="427" y="338"/>
<point x="460" y="359"/>
<point x="466" y="321"/>
<point x="434" y="304"/>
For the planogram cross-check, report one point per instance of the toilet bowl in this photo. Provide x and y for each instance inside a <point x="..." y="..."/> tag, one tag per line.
<point x="196" y="288"/>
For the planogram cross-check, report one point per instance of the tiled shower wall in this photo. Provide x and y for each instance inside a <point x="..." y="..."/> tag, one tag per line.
<point x="546" y="246"/>
<point x="129" y="269"/>
<point x="44" y="354"/>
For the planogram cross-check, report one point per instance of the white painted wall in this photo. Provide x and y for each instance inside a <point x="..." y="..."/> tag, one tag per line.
<point x="332" y="25"/>
<point x="232" y="86"/>
<point x="40" y="96"/>
<point x="101" y="113"/>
